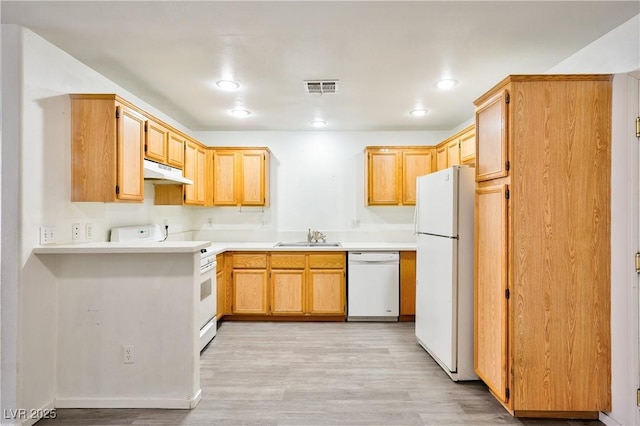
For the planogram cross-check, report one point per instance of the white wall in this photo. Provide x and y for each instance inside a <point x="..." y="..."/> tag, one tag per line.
<point x="619" y="52"/>
<point x="317" y="181"/>
<point x="42" y="162"/>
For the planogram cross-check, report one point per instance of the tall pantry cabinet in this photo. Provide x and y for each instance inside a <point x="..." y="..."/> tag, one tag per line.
<point x="542" y="244"/>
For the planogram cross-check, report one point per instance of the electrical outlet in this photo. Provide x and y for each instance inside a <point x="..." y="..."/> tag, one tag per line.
<point x="128" y="355"/>
<point x="355" y="223"/>
<point x="210" y="221"/>
<point x="75" y="231"/>
<point x="88" y="231"/>
<point x="47" y="235"/>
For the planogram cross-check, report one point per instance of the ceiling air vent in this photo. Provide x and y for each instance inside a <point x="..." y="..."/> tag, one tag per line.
<point x="321" y="86"/>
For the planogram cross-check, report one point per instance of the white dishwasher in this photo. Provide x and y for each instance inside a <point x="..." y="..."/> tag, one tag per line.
<point x="373" y="286"/>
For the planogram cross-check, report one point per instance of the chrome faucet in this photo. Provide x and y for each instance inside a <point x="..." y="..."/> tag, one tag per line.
<point x="315" y="236"/>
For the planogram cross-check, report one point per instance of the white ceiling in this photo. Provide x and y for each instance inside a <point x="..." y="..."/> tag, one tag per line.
<point x="387" y="55"/>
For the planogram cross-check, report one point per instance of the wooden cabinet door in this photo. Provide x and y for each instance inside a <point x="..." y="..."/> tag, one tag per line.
<point x="156" y="137"/>
<point x="250" y="291"/>
<point x="441" y="158"/>
<point x="491" y="303"/>
<point x="287" y="292"/>
<point x="453" y="153"/>
<point x="175" y="150"/>
<point x="130" y="143"/>
<point x="384" y="178"/>
<point x="414" y="164"/>
<point x="224" y="180"/>
<point x="407" y="283"/>
<point x="468" y="147"/>
<point x="491" y="132"/>
<point x="326" y="292"/>
<point x="194" y="169"/>
<point x="220" y="294"/>
<point x="252" y="172"/>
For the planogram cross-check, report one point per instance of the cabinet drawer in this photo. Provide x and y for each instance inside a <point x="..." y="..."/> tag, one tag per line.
<point x="326" y="260"/>
<point x="287" y="261"/>
<point x="249" y="260"/>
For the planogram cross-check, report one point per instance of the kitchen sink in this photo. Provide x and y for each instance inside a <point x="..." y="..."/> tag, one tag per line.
<point x="307" y="244"/>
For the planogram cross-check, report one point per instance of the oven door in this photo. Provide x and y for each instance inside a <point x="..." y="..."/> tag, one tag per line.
<point x="208" y="295"/>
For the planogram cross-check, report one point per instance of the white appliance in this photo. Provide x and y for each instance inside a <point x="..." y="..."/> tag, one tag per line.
<point x="373" y="290"/>
<point x="208" y="295"/>
<point x="163" y="174"/>
<point x="444" y="263"/>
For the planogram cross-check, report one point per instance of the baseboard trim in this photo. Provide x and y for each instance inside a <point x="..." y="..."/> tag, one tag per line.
<point x="604" y="418"/>
<point x="185" y="404"/>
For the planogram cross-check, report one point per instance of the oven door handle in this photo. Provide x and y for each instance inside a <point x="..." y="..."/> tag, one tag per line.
<point x="207" y="268"/>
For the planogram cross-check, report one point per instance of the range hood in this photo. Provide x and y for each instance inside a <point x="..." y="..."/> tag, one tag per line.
<point x="162" y="174"/>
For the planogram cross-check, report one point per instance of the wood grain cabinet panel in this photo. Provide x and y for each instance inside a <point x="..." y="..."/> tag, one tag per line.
<point x="175" y="150"/>
<point x="287" y="292"/>
<point x="250" y="291"/>
<point x="241" y="176"/>
<point x="407" y="285"/>
<point x="491" y="315"/>
<point x="327" y="291"/>
<point x="543" y="244"/>
<point x="156" y="139"/>
<point x="491" y="131"/>
<point x="194" y="169"/>
<point x="414" y="164"/>
<point x="384" y="178"/>
<point x="453" y="152"/>
<point x="107" y="149"/>
<point x="468" y="146"/>
<point x="220" y="287"/>
<point x="392" y="173"/>
<point x="441" y="157"/>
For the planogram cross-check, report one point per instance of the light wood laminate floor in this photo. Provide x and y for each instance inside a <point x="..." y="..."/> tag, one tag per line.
<point x="271" y="373"/>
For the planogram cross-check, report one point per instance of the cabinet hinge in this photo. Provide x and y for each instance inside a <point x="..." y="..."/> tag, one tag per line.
<point x="638" y="262"/>
<point x="507" y="393"/>
<point x="507" y="98"/>
<point x="507" y="165"/>
<point x="145" y="148"/>
<point x="507" y="294"/>
<point x="638" y="397"/>
<point x="637" y="127"/>
<point x="146" y="126"/>
<point x="117" y="113"/>
<point x="507" y="194"/>
<point x="117" y="189"/>
<point x="184" y="197"/>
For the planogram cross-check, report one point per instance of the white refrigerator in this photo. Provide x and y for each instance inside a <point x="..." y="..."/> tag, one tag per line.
<point x="444" y="263"/>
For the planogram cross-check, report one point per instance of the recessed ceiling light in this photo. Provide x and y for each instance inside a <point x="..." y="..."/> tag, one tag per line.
<point x="318" y="123"/>
<point x="240" y="113"/>
<point x="227" y="84"/>
<point x="445" y="84"/>
<point x="418" y="112"/>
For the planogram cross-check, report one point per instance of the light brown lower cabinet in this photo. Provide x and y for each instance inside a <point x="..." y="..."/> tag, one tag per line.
<point x="407" y="285"/>
<point x="287" y="284"/>
<point x="220" y="287"/>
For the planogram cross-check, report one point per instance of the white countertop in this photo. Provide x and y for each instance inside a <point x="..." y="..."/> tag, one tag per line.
<point x="218" y="247"/>
<point x="137" y="247"/>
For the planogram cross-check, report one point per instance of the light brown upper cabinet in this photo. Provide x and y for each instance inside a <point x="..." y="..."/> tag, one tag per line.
<point x="468" y="146"/>
<point x="491" y="129"/>
<point x="195" y="161"/>
<point x="175" y="150"/>
<point x="543" y="244"/>
<point x="453" y="152"/>
<point x="441" y="157"/>
<point x="156" y="141"/>
<point x="107" y="149"/>
<point x="392" y="172"/>
<point x="240" y="176"/>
